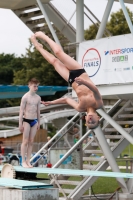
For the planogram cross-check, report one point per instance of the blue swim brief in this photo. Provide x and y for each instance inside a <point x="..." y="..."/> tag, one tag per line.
<point x="31" y="122"/>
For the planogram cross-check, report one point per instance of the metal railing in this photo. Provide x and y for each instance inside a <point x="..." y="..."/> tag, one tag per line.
<point x="53" y="144"/>
<point x="54" y="137"/>
<point x="69" y="152"/>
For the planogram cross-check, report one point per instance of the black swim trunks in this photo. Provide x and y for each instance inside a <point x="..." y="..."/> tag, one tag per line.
<point x="31" y="122"/>
<point x="75" y="73"/>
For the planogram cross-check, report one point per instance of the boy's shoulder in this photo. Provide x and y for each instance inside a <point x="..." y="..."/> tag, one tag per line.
<point x="25" y="95"/>
<point x="39" y="98"/>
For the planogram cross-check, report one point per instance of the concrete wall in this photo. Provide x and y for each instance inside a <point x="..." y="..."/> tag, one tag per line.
<point x="16" y="194"/>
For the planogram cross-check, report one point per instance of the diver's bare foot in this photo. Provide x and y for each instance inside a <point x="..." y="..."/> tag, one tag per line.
<point x="35" y="42"/>
<point x="29" y="165"/>
<point x="24" y="164"/>
<point x="41" y="35"/>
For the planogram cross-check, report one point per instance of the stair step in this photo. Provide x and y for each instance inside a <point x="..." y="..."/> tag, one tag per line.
<point x="68" y="182"/>
<point x="26" y="8"/>
<point x="128" y="109"/>
<point x="41" y="28"/>
<point x="125" y="116"/>
<point x="35" y="21"/>
<point x="113" y="136"/>
<point x="96" y="145"/>
<point x="93" y="151"/>
<point x="125" y="122"/>
<point x="36" y="13"/>
<point x="91" y="159"/>
<point x="114" y="130"/>
<point x="87" y="166"/>
<point x="37" y="28"/>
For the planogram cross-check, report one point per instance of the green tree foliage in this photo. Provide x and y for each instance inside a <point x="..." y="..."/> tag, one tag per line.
<point x="36" y="66"/>
<point x="8" y="64"/>
<point x="91" y="32"/>
<point x="117" y="25"/>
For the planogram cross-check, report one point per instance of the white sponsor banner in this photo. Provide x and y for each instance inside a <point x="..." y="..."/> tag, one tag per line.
<point x="108" y="60"/>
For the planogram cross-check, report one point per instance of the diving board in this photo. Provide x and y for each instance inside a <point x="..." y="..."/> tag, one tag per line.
<point x="22" y="184"/>
<point x="17" y="91"/>
<point x="72" y="172"/>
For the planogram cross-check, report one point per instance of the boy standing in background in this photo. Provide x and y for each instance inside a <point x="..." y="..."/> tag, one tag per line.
<point x="29" y="120"/>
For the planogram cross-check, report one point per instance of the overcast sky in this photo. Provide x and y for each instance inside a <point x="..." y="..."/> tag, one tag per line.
<point x="15" y="35"/>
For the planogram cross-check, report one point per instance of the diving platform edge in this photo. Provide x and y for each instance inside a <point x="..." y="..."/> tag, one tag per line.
<point x="22" y="184"/>
<point x="72" y="172"/>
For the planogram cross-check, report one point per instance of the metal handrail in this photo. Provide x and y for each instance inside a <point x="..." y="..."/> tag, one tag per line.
<point x="71" y="150"/>
<point x="53" y="138"/>
<point x="58" y="139"/>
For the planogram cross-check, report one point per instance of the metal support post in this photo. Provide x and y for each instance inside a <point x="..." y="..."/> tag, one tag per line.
<point x="115" y="125"/>
<point x="117" y="196"/>
<point x="126" y="166"/>
<point x="48" y="21"/>
<point x="104" y="19"/>
<point x="109" y="156"/>
<point x="130" y="182"/>
<point x="126" y="15"/>
<point x="79" y="23"/>
<point x="81" y="125"/>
